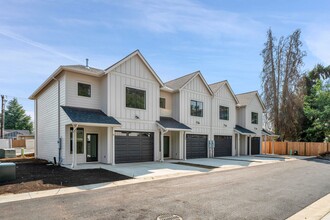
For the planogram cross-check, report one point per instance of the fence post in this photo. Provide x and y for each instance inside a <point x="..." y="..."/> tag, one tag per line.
<point x="304" y="148"/>
<point x="286" y="147"/>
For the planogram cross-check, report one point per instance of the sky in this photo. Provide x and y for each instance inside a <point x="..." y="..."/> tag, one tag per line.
<point x="223" y="39"/>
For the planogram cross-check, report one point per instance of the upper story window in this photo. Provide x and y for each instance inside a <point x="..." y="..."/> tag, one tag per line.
<point x="224" y="113"/>
<point x="162" y="102"/>
<point x="196" y="108"/>
<point x="135" y="98"/>
<point x="254" y="118"/>
<point x="84" y="90"/>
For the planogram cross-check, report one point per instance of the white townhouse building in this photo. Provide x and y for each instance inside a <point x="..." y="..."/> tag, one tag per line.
<point x="125" y="114"/>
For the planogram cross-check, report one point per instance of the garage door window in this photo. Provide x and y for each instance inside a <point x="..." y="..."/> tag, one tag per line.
<point x="196" y="108"/>
<point x="224" y="113"/>
<point x="135" y="98"/>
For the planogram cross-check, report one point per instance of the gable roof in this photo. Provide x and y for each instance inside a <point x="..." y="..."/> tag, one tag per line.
<point x="181" y="82"/>
<point x="129" y="56"/>
<point x="245" y="98"/>
<point x="215" y="87"/>
<point x="74" y="68"/>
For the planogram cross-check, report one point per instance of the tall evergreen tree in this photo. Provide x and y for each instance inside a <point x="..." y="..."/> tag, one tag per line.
<point x="16" y="118"/>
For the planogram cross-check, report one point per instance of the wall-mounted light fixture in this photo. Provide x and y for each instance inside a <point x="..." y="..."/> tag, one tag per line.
<point x="137" y="117"/>
<point x="224" y="125"/>
<point x="197" y="122"/>
<point x="255" y="128"/>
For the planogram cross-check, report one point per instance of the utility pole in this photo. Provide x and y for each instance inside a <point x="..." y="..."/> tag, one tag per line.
<point x="2" y="116"/>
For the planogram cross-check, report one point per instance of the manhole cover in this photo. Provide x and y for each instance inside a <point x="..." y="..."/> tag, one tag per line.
<point x="169" y="217"/>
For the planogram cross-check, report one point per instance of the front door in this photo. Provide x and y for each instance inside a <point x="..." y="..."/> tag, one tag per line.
<point x="91" y="147"/>
<point x="166" y="146"/>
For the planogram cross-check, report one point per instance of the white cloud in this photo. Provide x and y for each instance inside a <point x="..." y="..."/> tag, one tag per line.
<point x="172" y="16"/>
<point x="318" y="42"/>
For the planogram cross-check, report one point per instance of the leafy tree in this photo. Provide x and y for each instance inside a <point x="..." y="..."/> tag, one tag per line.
<point x="317" y="105"/>
<point x="282" y="84"/>
<point x="16" y="118"/>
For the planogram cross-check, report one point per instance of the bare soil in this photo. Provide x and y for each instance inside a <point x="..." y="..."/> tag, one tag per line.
<point x="35" y="175"/>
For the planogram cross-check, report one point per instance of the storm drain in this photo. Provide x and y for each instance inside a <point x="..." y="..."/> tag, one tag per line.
<point x="169" y="217"/>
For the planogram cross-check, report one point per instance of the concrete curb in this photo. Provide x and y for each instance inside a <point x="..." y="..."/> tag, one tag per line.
<point x="318" y="210"/>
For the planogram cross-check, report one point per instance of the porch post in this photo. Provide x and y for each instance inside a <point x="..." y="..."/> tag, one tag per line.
<point x="250" y="145"/>
<point x="238" y="144"/>
<point x="74" y="146"/>
<point x="113" y="146"/>
<point x="109" y="145"/>
<point x="161" y="146"/>
<point x="184" y="150"/>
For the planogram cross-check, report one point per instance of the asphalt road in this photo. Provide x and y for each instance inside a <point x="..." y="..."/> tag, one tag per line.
<point x="273" y="191"/>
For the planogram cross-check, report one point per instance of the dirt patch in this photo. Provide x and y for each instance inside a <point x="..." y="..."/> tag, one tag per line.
<point x="35" y="175"/>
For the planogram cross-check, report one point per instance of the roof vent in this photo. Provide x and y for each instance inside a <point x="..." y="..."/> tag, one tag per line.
<point x="87" y="63"/>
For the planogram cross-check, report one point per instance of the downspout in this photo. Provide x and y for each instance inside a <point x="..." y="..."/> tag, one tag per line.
<point x="212" y="142"/>
<point x="59" y="142"/>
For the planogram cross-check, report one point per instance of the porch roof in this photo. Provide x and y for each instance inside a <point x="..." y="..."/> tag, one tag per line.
<point x="269" y="133"/>
<point x="172" y="124"/>
<point x="89" y="116"/>
<point x="243" y="130"/>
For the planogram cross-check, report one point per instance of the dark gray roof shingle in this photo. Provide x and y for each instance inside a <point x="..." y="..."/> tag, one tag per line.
<point x="168" y="123"/>
<point x="87" y="115"/>
<point x="243" y="130"/>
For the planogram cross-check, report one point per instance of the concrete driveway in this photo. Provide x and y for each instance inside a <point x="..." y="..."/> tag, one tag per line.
<point x="175" y="168"/>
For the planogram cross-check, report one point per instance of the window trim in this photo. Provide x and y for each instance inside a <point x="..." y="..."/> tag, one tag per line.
<point x="71" y="140"/>
<point x="160" y="98"/>
<point x="90" y="87"/>
<point x="227" y="119"/>
<point x="257" y="119"/>
<point x="196" y="102"/>
<point x="145" y="98"/>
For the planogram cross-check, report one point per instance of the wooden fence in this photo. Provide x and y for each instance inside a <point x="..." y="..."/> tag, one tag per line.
<point x="18" y="143"/>
<point x="303" y="148"/>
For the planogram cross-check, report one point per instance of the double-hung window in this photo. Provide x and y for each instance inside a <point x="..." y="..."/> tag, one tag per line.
<point x="254" y="118"/>
<point x="135" y="98"/>
<point x="224" y="113"/>
<point x="196" y="108"/>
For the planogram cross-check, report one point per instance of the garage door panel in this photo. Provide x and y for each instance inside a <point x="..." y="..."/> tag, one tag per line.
<point x="196" y="146"/>
<point x="136" y="148"/>
<point x="223" y="146"/>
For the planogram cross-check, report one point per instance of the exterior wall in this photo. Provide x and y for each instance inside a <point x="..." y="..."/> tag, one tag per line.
<point x="102" y="144"/>
<point x="196" y="90"/>
<point x="176" y="106"/>
<point x="71" y="88"/>
<point x="241" y="116"/>
<point x="134" y="74"/>
<point x="167" y="111"/>
<point x="104" y="93"/>
<point x="47" y="123"/>
<point x="254" y="106"/>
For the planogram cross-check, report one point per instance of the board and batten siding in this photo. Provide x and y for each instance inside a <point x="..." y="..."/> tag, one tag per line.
<point x="196" y="90"/>
<point x="133" y="73"/>
<point x="167" y="111"/>
<point x="241" y="116"/>
<point x="176" y="106"/>
<point x="72" y="98"/>
<point x="254" y="106"/>
<point x="223" y="97"/>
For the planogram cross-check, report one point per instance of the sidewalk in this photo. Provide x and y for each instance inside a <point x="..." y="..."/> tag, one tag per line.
<point x="319" y="210"/>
